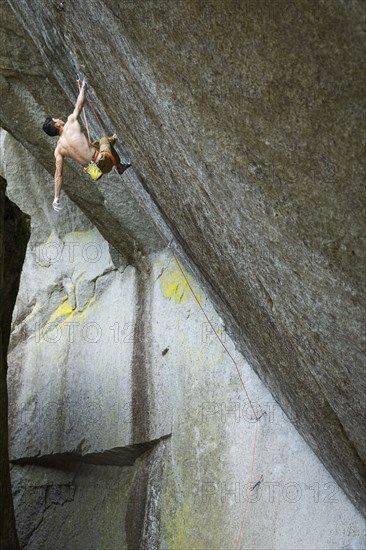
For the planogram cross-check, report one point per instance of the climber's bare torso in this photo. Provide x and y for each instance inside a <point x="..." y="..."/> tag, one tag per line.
<point x="72" y="143"/>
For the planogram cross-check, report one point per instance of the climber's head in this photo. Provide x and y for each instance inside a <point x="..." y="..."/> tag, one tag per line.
<point x="52" y="126"/>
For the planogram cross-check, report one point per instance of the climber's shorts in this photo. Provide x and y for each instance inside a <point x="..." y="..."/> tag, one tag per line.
<point x="107" y="155"/>
<point x="104" y="159"/>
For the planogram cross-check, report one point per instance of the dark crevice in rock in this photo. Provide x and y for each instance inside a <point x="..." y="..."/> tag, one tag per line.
<point x="118" y="456"/>
<point x="14" y="236"/>
<point x="141" y="397"/>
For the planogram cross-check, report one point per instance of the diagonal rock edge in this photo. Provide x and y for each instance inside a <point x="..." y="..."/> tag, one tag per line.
<point x="118" y="456"/>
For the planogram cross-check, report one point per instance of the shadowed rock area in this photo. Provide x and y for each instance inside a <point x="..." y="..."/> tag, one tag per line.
<point x="244" y="122"/>
<point x="120" y="456"/>
<point x="14" y="235"/>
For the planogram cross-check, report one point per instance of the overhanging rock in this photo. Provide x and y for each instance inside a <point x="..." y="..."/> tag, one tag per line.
<point x="243" y="123"/>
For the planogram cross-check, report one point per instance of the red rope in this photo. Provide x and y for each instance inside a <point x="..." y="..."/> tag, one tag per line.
<point x="245" y="511"/>
<point x="135" y="192"/>
<point x="246" y="506"/>
<point x="217" y="336"/>
<point x="95" y="114"/>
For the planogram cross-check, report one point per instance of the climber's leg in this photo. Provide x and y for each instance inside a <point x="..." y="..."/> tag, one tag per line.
<point x="120" y="167"/>
<point x="109" y="139"/>
<point x="106" y="145"/>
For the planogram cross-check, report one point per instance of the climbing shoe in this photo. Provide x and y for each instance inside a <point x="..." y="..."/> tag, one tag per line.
<point x="123" y="167"/>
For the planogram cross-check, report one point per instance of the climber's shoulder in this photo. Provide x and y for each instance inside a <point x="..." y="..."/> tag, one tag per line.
<point x="71" y="130"/>
<point x="59" y="152"/>
<point x="72" y="118"/>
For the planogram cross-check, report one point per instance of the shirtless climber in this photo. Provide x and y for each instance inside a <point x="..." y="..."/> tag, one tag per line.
<point x="97" y="158"/>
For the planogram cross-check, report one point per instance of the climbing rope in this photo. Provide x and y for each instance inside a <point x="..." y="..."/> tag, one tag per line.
<point x="78" y="80"/>
<point x="169" y="243"/>
<point x="257" y="418"/>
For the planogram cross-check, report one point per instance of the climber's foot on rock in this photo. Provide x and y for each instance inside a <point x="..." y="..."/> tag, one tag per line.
<point x="122" y="167"/>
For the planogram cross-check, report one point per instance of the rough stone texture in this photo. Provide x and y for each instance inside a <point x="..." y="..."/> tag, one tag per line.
<point x="243" y="121"/>
<point x="156" y="401"/>
<point x="72" y="508"/>
<point x="69" y="313"/>
<point x="144" y="503"/>
<point x="14" y="235"/>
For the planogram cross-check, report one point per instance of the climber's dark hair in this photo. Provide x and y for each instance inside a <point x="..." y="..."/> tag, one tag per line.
<point x="49" y="127"/>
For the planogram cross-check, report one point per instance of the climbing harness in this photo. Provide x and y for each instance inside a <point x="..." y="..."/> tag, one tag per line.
<point x="108" y="154"/>
<point x="93" y="169"/>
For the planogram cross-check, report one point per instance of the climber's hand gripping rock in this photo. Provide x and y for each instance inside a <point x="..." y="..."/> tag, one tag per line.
<point x="56" y="204"/>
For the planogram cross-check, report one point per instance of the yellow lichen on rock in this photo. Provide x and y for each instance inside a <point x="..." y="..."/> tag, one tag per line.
<point x="174" y="285"/>
<point x="64" y="310"/>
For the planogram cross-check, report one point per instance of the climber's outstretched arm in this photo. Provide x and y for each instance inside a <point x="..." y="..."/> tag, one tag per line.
<point x="80" y="101"/>
<point x="58" y="181"/>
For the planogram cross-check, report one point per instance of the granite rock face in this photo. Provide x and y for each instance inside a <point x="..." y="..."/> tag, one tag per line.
<point x="129" y="426"/>
<point x="243" y="122"/>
